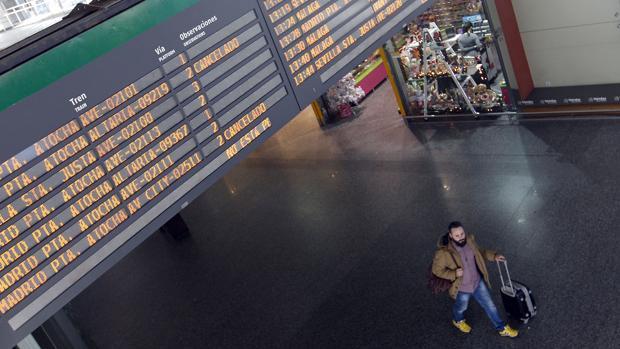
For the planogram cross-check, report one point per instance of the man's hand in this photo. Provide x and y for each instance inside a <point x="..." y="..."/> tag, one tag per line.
<point x="459" y="272"/>
<point x="500" y="258"/>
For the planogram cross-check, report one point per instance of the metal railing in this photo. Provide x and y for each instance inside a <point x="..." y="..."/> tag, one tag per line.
<point x="32" y="11"/>
<point x="16" y="15"/>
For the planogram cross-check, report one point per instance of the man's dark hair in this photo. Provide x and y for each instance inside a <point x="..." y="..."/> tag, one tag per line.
<point x="455" y="224"/>
<point x="467" y="27"/>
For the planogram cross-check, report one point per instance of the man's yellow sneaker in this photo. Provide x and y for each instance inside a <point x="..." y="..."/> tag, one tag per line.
<point x="509" y="332"/>
<point x="462" y="325"/>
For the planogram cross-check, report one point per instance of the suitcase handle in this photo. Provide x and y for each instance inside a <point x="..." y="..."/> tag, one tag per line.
<point x="501" y="275"/>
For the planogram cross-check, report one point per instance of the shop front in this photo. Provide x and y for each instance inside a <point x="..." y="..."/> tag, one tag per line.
<point x="343" y="100"/>
<point x="447" y="62"/>
<point x="502" y="57"/>
<point x="490" y="59"/>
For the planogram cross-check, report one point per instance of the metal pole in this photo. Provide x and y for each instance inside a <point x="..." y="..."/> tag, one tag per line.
<point x="395" y="77"/>
<point x="458" y="85"/>
<point x="425" y="70"/>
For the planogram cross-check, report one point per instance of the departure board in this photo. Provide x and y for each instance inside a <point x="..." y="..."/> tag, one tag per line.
<point x="94" y="163"/>
<point x="320" y="41"/>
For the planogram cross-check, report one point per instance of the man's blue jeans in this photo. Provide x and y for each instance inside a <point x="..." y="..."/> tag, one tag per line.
<point x="482" y="296"/>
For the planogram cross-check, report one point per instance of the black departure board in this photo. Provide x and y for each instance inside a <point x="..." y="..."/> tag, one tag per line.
<point x="319" y="41"/>
<point x="97" y="161"/>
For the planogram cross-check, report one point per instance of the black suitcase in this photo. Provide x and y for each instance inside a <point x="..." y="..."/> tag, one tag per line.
<point x="517" y="297"/>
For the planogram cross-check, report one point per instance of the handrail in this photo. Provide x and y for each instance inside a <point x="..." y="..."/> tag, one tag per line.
<point x="49" y="37"/>
<point x="12" y="13"/>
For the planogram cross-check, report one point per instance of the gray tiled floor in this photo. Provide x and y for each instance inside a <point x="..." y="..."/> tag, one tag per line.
<point x="322" y="239"/>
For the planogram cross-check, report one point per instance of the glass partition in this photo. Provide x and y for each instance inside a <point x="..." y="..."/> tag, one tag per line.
<point x="447" y="62"/>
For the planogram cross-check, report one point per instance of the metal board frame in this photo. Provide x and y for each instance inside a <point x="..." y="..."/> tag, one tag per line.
<point x="231" y="96"/>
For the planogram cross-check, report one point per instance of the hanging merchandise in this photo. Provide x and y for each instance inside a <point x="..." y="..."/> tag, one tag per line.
<point x="343" y="96"/>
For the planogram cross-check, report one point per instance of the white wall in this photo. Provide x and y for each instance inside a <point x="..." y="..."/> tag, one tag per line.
<point x="571" y="42"/>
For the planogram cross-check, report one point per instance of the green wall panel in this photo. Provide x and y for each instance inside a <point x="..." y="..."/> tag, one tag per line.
<point x="54" y="64"/>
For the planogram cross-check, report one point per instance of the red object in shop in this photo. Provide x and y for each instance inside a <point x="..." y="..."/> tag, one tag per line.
<point x="373" y="79"/>
<point x="506" y="95"/>
<point x="345" y="111"/>
<point x="518" y="57"/>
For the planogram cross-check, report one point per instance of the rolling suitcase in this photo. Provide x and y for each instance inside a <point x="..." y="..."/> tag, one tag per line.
<point x="518" y="299"/>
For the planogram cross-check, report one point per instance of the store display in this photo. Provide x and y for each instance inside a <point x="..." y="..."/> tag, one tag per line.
<point x="345" y="94"/>
<point x="432" y="64"/>
<point x="486" y="99"/>
<point x="341" y="101"/>
<point x="435" y="73"/>
<point x="446" y="13"/>
<point x="371" y="73"/>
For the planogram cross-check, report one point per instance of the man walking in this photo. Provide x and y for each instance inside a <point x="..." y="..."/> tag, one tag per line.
<point x="461" y="261"/>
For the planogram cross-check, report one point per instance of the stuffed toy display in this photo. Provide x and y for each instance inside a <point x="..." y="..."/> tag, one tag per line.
<point x="485" y="98"/>
<point x="344" y="95"/>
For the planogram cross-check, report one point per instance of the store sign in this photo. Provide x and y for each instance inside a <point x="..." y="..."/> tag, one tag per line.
<point x="526" y="102"/>
<point x="573" y="101"/>
<point x="93" y="164"/>
<point x="597" y="99"/>
<point x="549" y="101"/>
<point x="574" y="97"/>
<point x="585" y="99"/>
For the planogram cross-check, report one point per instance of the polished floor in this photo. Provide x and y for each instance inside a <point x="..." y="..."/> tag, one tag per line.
<point x="323" y="238"/>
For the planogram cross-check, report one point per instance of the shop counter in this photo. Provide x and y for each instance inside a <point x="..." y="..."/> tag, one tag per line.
<point x="371" y="77"/>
